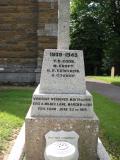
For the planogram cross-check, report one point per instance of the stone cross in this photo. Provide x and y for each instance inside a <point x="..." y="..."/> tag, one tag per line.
<point x="63" y="24"/>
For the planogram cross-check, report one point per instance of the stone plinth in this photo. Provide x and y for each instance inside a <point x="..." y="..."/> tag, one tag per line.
<point x="37" y="127"/>
<point x="62" y="105"/>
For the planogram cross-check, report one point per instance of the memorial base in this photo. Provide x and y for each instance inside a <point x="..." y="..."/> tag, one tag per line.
<point x="37" y="127"/>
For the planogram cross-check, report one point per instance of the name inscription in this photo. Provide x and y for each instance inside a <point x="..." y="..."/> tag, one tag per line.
<point x="62" y="104"/>
<point x="63" y="65"/>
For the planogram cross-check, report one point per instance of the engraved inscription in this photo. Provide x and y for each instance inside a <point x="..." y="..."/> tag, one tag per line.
<point x="62" y="104"/>
<point x="63" y="72"/>
<point x="63" y="66"/>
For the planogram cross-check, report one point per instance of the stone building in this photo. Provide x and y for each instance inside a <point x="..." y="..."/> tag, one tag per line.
<point x="27" y="27"/>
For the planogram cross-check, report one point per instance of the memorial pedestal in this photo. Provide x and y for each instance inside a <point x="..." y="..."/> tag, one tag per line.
<point x="37" y="127"/>
<point x="61" y="103"/>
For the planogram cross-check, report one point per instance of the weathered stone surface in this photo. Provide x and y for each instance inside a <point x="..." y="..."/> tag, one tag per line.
<point x="19" y="22"/>
<point x="63" y="24"/>
<point x="47" y="5"/>
<point x="63" y="72"/>
<point x="47" y="29"/>
<point x="17" y="69"/>
<point x="8" y="9"/>
<point x="42" y="46"/>
<point x="17" y="78"/>
<point x="17" y="2"/>
<point x="62" y="105"/>
<point x="18" y="61"/>
<point x="36" y="128"/>
<point x="48" y="16"/>
<point x="17" y="54"/>
<point x="50" y="29"/>
<point x="47" y="39"/>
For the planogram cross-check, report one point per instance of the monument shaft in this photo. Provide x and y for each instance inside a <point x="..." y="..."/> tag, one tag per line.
<point x="63" y="24"/>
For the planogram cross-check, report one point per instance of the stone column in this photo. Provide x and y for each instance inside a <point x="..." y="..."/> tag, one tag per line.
<point x="63" y="24"/>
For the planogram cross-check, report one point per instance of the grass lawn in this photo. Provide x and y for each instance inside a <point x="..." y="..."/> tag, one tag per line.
<point x="14" y="104"/>
<point x="109" y="115"/>
<point x="112" y="80"/>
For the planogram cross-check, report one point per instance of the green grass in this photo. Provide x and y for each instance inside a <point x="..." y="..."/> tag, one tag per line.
<point x="14" y="104"/>
<point x="109" y="115"/>
<point x="108" y="79"/>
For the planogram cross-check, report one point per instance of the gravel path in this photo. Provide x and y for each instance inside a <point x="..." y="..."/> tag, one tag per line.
<point x="109" y="90"/>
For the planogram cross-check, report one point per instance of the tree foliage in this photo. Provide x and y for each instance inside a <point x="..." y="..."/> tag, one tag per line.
<point x="95" y="28"/>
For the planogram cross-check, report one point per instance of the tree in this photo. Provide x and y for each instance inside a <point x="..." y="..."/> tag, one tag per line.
<point x="95" y="28"/>
<point x="111" y="14"/>
<point x="86" y="34"/>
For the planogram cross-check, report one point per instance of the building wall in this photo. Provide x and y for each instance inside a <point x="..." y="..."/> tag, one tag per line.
<point x="27" y="27"/>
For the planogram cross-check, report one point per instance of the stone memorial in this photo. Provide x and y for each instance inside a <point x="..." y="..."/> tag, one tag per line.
<point x="62" y="90"/>
<point x="61" y="123"/>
